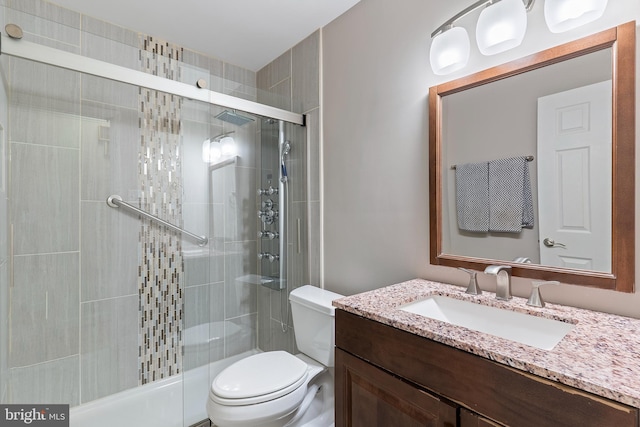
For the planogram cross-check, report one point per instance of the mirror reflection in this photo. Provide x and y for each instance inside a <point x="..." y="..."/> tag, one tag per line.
<point x="568" y="214"/>
<point x="559" y="117"/>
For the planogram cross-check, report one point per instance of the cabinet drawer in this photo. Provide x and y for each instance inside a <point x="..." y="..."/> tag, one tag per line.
<point x="500" y="393"/>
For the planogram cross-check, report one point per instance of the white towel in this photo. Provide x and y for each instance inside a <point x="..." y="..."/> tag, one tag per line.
<point x="472" y="196"/>
<point x="510" y="197"/>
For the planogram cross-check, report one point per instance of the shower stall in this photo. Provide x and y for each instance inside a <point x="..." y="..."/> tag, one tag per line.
<point x="151" y="228"/>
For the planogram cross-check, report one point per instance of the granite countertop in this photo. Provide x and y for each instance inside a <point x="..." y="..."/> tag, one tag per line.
<point x="600" y="355"/>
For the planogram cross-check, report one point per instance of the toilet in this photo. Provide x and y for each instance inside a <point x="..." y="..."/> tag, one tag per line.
<point x="276" y="388"/>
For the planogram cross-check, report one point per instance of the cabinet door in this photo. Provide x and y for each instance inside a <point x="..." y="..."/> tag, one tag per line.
<point x="367" y="396"/>
<point x="471" y="419"/>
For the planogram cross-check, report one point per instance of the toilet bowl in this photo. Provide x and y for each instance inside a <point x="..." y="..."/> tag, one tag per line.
<point x="276" y="388"/>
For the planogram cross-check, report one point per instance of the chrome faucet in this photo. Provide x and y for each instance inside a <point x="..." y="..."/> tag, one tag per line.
<point x="503" y="280"/>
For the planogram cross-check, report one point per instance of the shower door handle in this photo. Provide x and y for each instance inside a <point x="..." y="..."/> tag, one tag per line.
<point x="116" y="201"/>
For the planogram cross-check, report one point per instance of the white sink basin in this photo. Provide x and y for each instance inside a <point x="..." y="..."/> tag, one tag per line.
<point x="535" y="331"/>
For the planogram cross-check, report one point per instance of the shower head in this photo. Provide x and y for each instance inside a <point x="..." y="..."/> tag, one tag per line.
<point x="286" y="148"/>
<point x="234" y="118"/>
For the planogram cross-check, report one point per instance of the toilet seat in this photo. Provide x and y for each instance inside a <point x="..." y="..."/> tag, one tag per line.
<point x="259" y="378"/>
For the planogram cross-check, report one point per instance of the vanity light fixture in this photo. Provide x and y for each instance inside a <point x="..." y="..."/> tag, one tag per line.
<point x="565" y="15"/>
<point x="228" y="146"/>
<point x="207" y="154"/>
<point x="449" y="50"/>
<point x="219" y="148"/>
<point x="501" y="26"/>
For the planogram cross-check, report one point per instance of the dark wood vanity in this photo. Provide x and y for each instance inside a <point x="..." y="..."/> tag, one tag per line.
<point x="389" y="377"/>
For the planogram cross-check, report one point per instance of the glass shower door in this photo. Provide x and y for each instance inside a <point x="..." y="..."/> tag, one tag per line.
<point x="101" y="308"/>
<point x="97" y="297"/>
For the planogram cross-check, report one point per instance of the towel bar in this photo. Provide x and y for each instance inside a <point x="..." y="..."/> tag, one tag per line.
<point x="528" y="159"/>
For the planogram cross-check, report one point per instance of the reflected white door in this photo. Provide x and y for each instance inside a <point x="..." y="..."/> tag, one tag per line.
<point x="574" y="178"/>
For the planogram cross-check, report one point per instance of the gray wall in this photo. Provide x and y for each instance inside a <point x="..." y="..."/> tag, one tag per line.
<point x="376" y="76"/>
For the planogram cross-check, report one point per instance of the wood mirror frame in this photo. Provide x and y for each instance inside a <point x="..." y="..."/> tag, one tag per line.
<point x="622" y="41"/>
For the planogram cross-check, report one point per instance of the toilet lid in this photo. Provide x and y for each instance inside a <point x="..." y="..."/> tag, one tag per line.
<point x="260" y="374"/>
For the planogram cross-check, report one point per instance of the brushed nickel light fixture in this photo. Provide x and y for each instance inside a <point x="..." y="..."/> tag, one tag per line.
<point x="219" y="148"/>
<point x="501" y="26"/>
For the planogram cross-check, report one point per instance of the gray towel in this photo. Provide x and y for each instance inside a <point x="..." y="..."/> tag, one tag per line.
<point x="510" y="197"/>
<point x="472" y="196"/>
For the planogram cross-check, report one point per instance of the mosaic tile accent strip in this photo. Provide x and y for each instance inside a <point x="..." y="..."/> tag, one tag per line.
<point x="161" y="268"/>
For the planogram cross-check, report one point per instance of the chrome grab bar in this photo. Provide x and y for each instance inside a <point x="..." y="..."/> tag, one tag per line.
<point x="116" y="201"/>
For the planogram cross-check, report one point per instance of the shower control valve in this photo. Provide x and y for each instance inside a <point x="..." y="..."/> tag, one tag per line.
<point x="267" y="204"/>
<point x="268" y="234"/>
<point x="268" y="191"/>
<point x="267" y="220"/>
<point x="268" y="256"/>
<point x="268" y="213"/>
<point x="268" y="216"/>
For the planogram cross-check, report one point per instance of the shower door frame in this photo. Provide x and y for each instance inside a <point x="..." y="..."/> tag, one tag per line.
<point x="74" y="62"/>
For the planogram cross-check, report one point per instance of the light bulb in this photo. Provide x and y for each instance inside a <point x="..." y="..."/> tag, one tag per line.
<point x="215" y="153"/>
<point x="228" y="146"/>
<point x="450" y="51"/>
<point x="565" y="15"/>
<point x="211" y="151"/>
<point x="501" y="26"/>
<point x="206" y="151"/>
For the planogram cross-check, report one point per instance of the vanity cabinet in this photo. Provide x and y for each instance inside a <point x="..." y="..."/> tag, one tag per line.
<point x="374" y="397"/>
<point x="389" y="377"/>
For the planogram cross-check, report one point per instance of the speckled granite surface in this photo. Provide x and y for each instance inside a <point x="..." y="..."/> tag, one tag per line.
<point x="601" y="355"/>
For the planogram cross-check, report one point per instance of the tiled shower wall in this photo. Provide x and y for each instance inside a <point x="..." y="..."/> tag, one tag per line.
<point x="75" y="331"/>
<point x="292" y="82"/>
<point x="4" y="244"/>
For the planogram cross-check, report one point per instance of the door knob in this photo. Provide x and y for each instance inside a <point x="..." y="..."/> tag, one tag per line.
<point x="550" y="243"/>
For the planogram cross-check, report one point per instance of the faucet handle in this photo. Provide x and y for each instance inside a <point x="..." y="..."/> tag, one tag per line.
<point x="472" y="288"/>
<point x="535" y="299"/>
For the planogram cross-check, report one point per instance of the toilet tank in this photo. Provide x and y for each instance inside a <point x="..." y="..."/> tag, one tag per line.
<point x="314" y="322"/>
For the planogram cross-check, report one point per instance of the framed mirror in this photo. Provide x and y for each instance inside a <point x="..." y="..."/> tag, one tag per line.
<point x="578" y="91"/>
